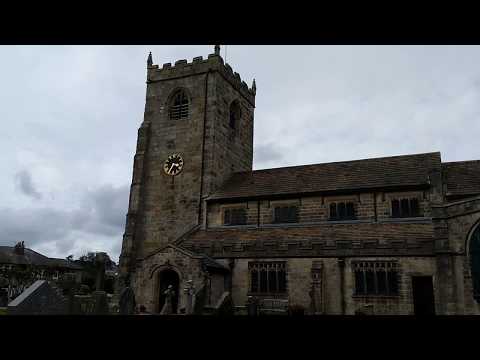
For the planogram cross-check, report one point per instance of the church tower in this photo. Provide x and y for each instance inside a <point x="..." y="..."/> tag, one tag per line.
<point x="197" y="131"/>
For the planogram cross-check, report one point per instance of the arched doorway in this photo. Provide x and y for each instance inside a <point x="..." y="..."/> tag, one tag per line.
<point x="168" y="277"/>
<point x="474" y="252"/>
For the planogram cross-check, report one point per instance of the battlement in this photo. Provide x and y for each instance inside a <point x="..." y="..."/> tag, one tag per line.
<point x="199" y="65"/>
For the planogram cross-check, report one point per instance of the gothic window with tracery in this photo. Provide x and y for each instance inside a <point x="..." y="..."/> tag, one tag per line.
<point x="179" y="105"/>
<point x="376" y="278"/>
<point x="267" y="277"/>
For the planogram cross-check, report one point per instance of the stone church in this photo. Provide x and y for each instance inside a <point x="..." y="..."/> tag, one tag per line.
<point x="390" y="235"/>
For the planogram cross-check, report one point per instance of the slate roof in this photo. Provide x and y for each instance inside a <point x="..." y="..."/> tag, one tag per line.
<point x="361" y="239"/>
<point x="212" y="263"/>
<point x="30" y="257"/>
<point x="205" y="259"/>
<point x="333" y="232"/>
<point x="461" y="178"/>
<point x="393" y="171"/>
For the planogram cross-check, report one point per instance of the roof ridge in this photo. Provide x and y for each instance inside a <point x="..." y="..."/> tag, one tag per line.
<point x="342" y="162"/>
<point x="37" y="253"/>
<point x="459" y="162"/>
<point x="381" y="172"/>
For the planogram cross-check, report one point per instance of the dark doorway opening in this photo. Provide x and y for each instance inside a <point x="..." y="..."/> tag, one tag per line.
<point x="423" y="299"/>
<point x="166" y="278"/>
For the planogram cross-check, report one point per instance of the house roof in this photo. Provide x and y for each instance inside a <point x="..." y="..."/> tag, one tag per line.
<point x="462" y="177"/>
<point x="30" y="257"/>
<point x="385" y="172"/>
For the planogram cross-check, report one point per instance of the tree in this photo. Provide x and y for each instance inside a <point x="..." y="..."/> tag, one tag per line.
<point x="90" y="262"/>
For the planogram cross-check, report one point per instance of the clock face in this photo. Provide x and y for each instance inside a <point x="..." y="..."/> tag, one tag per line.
<point x="173" y="165"/>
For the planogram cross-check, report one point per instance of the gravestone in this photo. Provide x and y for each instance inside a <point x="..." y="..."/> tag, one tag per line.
<point x="39" y="298"/>
<point x="252" y="306"/>
<point x="100" y="259"/>
<point x="127" y="301"/>
<point x="190" y="293"/>
<point x="101" y="303"/>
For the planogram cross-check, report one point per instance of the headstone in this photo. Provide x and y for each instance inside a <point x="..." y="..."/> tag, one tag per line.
<point x="252" y="306"/>
<point x="101" y="303"/>
<point x="39" y="298"/>
<point x="313" y="303"/>
<point x="190" y="293"/>
<point x="100" y="259"/>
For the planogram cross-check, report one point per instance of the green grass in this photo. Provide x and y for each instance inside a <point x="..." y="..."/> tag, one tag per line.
<point x="3" y="311"/>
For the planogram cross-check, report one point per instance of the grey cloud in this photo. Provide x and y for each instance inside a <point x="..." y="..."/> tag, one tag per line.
<point x="110" y="204"/>
<point x="32" y="225"/>
<point x="313" y="104"/>
<point x="24" y="182"/>
<point x="101" y="214"/>
<point x="266" y="154"/>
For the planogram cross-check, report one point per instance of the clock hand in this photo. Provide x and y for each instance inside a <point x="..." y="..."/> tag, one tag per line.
<point x="169" y="170"/>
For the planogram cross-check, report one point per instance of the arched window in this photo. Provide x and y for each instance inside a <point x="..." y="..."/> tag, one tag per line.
<point x="235" y="114"/>
<point x="178" y="108"/>
<point x="474" y="252"/>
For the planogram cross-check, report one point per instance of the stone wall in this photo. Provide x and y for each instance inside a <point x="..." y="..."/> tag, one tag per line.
<point x="187" y="266"/>
<point x="162" y="207"/>
<point x="299" y="283"/>
<point x="147" y="284"/>
<point x="455" y="223"/>
<point x="314" y="209"/>
<point x="166" y="197"/>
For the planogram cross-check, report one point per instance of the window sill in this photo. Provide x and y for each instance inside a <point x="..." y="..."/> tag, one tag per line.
<point x="280" y="296"/>
<point x="419" y="219"/>
<point x="342" y="220"/>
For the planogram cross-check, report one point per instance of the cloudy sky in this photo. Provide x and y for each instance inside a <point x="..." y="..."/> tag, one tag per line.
<point x="70" y="116"/>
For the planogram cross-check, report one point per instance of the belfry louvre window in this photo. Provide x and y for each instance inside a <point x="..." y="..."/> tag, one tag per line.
<point x="405" y="208"/>
<point x="237" y="216"/>
<point x="178" y="106"/>
<point x="285" y="214"/>
<point x="267" y="277"/>
<point x="377" y="278"/>
<point x="342" y="211"/>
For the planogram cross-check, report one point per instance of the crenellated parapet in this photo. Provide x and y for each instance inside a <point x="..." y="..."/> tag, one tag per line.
<point x="199" y="65"/>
